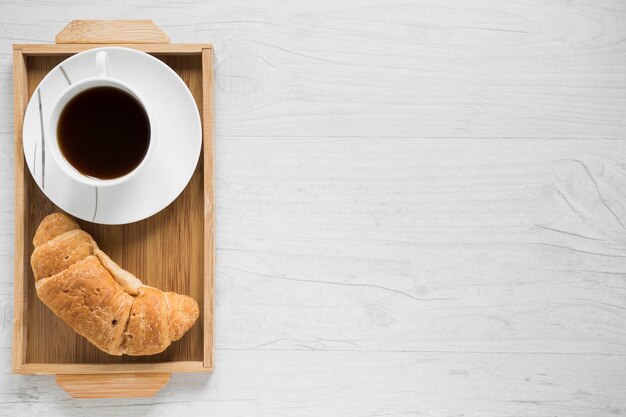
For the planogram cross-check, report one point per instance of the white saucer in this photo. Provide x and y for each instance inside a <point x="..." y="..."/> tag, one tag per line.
<point x="164" y="175"/>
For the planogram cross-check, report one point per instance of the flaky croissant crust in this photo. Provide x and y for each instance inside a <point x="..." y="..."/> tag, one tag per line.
<point x="101" y="301"/>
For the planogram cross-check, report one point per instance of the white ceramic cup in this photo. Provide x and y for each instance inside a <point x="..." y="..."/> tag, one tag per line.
<point x="102" y="68"/>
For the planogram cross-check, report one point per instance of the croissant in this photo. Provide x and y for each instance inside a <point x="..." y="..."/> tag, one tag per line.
<point x="107" y="305"/>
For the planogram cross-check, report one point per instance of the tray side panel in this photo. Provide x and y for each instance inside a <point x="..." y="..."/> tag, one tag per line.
<point x="20" y="86"/>
<point x="111" y="368"/>
<point x="209" y="206"/>
<point x="66" y="49"/>
<point x="165" y="251"/>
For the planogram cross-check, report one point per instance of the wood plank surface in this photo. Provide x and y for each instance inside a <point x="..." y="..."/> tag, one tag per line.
<point x="422" y="245"/>
<point x="345" y="384"/>
<point x="419" y="208"/>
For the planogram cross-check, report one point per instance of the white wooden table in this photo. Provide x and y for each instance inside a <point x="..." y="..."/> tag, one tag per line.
<point x="421" y="208"/>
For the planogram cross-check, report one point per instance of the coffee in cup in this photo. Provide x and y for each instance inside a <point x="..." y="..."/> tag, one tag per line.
<point x="100" y="131"/>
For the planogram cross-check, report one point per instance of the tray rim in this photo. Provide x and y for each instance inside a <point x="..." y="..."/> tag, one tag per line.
<point x="20" y="98"/>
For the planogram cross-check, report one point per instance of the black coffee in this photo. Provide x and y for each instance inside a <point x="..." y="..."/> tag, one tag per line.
<point x="103" y="132"/>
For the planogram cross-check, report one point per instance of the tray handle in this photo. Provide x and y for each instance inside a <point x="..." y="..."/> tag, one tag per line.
<point x="113" y="385"/>
<point x="112" y="31"/>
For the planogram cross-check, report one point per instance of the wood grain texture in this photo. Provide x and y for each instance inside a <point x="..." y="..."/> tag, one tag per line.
<point x="151" y="48"/>
<point x="113" y="385"/>
<point x="20" y="85"/>
<point x="422" y="245"/>
<point x="345" y="384"/>
<point x="112" y="32"/>
<point x="209" y="206"/>
<point x="138" y="247"/>
<point x="111" y="368"/>
<point x="368" y="152"/>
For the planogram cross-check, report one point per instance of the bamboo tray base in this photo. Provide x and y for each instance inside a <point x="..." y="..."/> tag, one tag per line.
<point x="172" y="250"/>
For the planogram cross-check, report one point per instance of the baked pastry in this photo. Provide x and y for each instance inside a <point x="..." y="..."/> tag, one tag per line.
<point x="101" y="301"/>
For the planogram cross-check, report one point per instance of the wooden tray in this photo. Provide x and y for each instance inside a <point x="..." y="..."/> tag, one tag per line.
<point x="172" y="250"/>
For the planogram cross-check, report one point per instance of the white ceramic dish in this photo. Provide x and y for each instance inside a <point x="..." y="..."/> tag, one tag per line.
<point x="173" y="158"/>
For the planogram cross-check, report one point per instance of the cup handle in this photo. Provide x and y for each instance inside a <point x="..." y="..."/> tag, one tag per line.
<point x="104" y="66"/>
